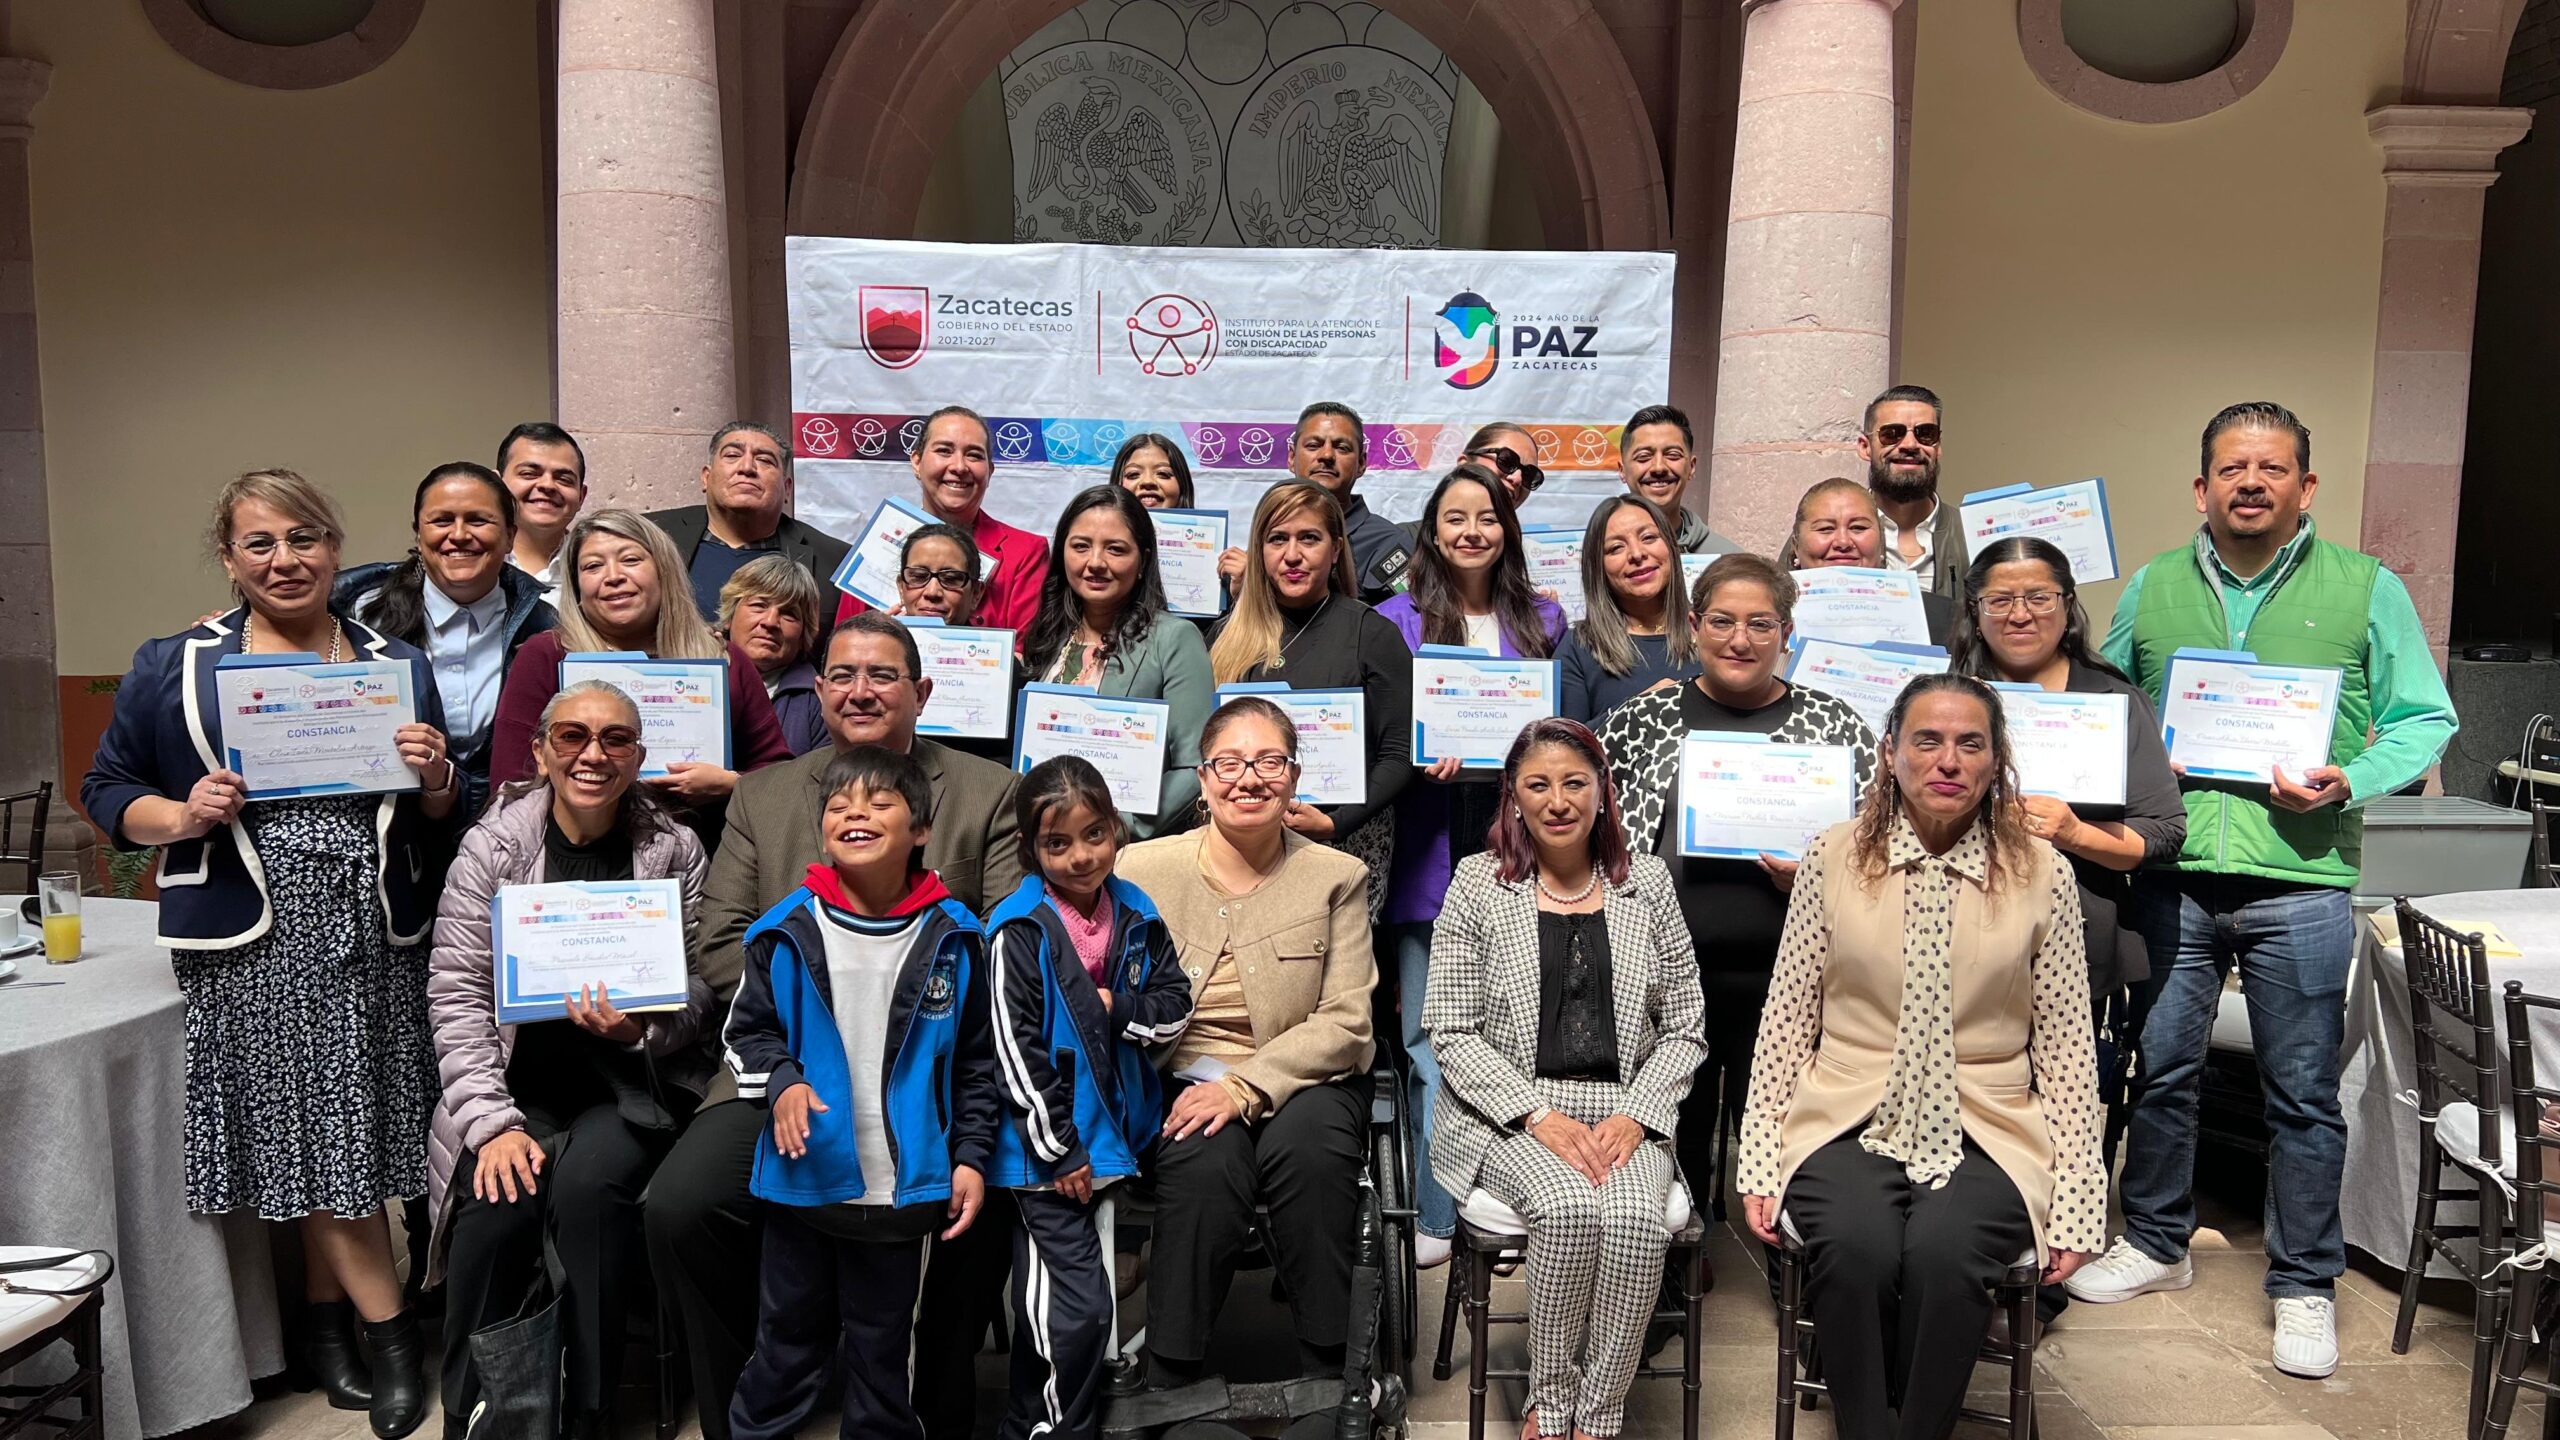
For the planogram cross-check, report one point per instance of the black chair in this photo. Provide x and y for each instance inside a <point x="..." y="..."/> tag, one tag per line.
<point x="2545" y="873"/>
<point x="1800" y="1383"/>
<point x="71" y="1320"/>
<point x="2537" y="1180"/>
<point x="2454" y="1039"/>
<point x="25" y="810"/>
<point x="1491" y="1235"/>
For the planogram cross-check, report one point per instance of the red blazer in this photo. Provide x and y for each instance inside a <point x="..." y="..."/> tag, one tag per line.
<point x="755" y="736"/>
<point x="1013" y="591"/>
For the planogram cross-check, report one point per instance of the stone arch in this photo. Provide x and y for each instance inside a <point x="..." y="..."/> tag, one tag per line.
<point x="1554" y="74"/>
<point x="2457" y="51"/>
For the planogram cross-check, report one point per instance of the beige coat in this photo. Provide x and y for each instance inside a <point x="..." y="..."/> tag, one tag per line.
<point x="2026" y="1062"/>
<point x="1301" y="944"/>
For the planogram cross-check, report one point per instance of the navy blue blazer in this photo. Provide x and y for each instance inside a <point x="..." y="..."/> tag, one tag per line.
<point x="166" y="735"/>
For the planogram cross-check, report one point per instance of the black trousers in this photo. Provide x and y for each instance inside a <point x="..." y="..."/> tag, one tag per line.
<point x="1304" y="1164"/>
<point x="1899" y="1282"/>
<point x="1062" y="1319"/>
<point x="704" y="1230"/>
<point x="838" y="1294"/>
<point x="590" y="1200"/>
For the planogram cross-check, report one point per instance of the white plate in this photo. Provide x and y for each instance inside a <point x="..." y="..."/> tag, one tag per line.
<point x="23" y="945"/>
<point x="8" y="969"/>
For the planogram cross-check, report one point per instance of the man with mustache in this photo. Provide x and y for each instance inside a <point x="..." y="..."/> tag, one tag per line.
<point x="744" y="484"/>
<point x="1330" y="446"/>
<point x="2263" y="878"/>
<point x="703" y="1225"/>
<point x="1900" y="446"/>
<point x="1657" y="455"/>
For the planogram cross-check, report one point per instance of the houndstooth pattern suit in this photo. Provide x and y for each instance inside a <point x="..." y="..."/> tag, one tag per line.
<point x="1594" y="1254"/>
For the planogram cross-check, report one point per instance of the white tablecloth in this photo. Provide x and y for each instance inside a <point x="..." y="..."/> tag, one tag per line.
<point x="92" y="1098"/>
<point x="2378" y="1065"/>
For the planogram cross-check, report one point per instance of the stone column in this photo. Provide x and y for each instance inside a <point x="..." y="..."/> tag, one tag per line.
<point x="1808" y="263"/>
<point x="648" y="345"/>
<point x="2438" y="162"/>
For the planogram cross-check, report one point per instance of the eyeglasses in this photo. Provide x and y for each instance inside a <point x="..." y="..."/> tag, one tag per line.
<point x="1892" y="434"/>
<point x="570" y="740"/>
<point x="881" y="677"/>
<point x="2038" y="602"/>
<point x="262" y="548"/>
<point x="918" y="577"/>
<point x="1228" y="769"/>
<point x="1507" y="461"/>
<point x="1761" y="628"/>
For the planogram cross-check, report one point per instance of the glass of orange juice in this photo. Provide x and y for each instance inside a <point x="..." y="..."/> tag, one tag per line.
<point x="59" y="895"/>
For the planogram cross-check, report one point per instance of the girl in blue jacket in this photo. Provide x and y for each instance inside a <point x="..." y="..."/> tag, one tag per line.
<point x="1083" y="985"/>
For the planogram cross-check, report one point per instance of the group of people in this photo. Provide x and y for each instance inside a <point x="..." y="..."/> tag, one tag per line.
<point x="936" y="1008"/>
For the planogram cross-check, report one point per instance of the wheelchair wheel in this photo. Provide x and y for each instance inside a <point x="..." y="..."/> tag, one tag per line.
<point x="1397" y="1303"/>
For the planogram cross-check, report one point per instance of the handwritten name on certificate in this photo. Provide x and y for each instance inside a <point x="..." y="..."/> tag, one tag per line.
<point x="1741" y="798"/>
<point x="1555" y="567"/>
<point x="550" y="940"/>
<point x="295" y="726"/>
<point x="2226" y="717"/>
<point x="2073" y="517"/>
<point x="1124" y="738"/>
<point x="2069" y="746"/>
<point x="1844" y="602"/>
<point x="1868" y="678"/>
<point x="1333" y="738"/>
<point x="972" y="675"/>
<point x="1472" y="705"/>
<point x="869" y="571"/>
<point x="684" y="704"/>
<point x="1691" y="567"/>
<point x="1187" y="546"/>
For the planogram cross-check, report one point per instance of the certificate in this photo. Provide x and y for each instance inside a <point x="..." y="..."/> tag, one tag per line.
<point x="2227" y="717"/>
<point x="1845" y="602"/>
<point x="869" y="571"/>
<point x="1123" y="737"/>
<point x="1741" y="797"/>
<point x="1554" y="554"/>
<point x="1691" y="567"/>
<point x="2073" y="517"/>
<point x="972" y="675"/>
<point x="550" y="940"/>
<point x="2069" y="746"/>
<point x="292" y="725"/>
<point x="684" y="704"/>
<point x="1333" y="738"/>
<point x="1868" y="678"/>
<point x="1471" y="705"/>
<point x="1187" y="546"/>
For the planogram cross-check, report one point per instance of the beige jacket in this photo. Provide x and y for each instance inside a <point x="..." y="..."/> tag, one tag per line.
<point x="1301" y="944"/>
<point x="2026" y="1063"/>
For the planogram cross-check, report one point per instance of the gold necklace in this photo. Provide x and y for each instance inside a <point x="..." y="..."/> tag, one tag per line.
<point x="249" y="637"/>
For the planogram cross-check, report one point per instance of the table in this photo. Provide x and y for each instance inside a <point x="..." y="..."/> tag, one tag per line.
<point x="92" y="1102"/>
<point x="2377" y="1066"/>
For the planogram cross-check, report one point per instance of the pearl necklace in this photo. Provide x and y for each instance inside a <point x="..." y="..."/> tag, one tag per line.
<point x="249" y="637"/>
<point x="1575" y="899"/>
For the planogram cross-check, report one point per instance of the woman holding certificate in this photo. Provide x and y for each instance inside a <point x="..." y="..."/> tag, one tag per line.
<point x="1470" y="587"/>
<point x="557" y="1125"/>
<point x="1739" y="625"/>
<point x="1298" y="621"/>
<point x="1102" y="624"/>
<point x="624" y="586"/>
<point x="296" y="925"/>
<point x="1924" y="1106"/>
<point x="1837" y="523"/>
<point x="1634" y="632"/>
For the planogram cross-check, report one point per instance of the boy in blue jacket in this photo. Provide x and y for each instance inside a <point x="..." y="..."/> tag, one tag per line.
<point x="1083" y="984"/>
<point x="858" y="1021"/>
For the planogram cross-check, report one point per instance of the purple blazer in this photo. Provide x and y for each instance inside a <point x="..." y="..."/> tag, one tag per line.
<point x="1426" y="812"/>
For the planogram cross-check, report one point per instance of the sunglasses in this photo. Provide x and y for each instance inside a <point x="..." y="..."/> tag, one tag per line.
<point x="569" y="741"/>
<point x="1892" y="434"/>
<point x="1508" y="462"/>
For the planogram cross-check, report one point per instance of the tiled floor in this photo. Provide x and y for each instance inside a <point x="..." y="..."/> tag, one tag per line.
<point x="2185" y="1366"/>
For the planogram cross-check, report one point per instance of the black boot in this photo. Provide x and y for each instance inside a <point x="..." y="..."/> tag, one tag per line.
<point x="329" y="1348"/>
<point x="398" y="1356"/>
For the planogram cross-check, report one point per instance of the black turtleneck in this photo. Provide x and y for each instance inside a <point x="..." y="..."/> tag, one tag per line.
<point x="1341" y="644"/>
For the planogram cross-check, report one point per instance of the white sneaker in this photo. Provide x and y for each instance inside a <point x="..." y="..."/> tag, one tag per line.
<point x="2124" y="1272"/>
<point x="1430" y="1251"/>
<point x="2307" y="1336"/>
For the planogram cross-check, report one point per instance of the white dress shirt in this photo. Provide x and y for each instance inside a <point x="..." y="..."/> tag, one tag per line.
<point x="1928" y="528"/>
<point x="467" y="645"/>
<point x="548" y="577"/>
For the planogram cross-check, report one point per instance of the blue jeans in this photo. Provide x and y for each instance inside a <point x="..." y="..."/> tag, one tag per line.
<point x="2293" y="944"/>
<point x="1412" y="943"/>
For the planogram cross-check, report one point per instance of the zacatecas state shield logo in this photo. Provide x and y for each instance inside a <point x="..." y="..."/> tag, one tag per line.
<point x="896" y="322"/>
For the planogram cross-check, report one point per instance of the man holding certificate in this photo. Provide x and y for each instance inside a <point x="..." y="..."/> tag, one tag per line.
<point x="2263" y="877"/>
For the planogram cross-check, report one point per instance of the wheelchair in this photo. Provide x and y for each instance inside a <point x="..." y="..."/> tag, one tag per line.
<point x="1383" y="1290"/>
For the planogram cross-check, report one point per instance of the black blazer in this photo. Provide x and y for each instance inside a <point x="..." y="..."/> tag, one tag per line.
<point x="813" y="549"/>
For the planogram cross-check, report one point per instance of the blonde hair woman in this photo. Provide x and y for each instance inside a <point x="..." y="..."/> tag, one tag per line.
<point x="623" y="587"/>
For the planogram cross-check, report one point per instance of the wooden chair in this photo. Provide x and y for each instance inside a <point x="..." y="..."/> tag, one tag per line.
<point x="2537" y="1181"/>
<point x="33" y="1320"/>
<point x="2454" y="1040"/>
<point x="26" y="810"/>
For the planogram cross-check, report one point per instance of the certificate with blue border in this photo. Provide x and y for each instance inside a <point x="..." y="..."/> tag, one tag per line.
<point x="293" y="725"/>
<point x="972" y="673"/>
<point x="546" y="941"/>
<point x="1188" y="543"/>
<point x="2073" y="517"/>
<point x="1472" y="705"/>
<point x="1123" y="736"/>
<point x="1333" y="738"/>
<point x="1742" y="796"/>
<point x="684" y="704"/>
<point x="869" y="571"/>
<point x="2224" y="716"/>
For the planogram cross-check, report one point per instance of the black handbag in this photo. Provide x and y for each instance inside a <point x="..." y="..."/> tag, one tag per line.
<point x="512" y="1389"/>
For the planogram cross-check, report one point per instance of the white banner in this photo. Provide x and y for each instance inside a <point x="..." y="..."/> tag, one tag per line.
<point x="1068" y="349"/>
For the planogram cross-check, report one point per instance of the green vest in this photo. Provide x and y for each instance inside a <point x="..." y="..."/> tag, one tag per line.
<point x="2316" y="615"/>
